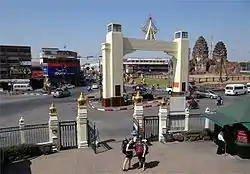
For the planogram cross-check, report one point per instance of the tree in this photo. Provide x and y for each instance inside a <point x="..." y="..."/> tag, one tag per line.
<point x="200" y="54"/>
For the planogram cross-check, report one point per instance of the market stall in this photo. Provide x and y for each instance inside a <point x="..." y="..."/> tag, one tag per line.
<point x="236" y="119"/>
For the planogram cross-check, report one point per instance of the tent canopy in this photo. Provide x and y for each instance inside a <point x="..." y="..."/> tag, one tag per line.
<point x="232" y="114"/>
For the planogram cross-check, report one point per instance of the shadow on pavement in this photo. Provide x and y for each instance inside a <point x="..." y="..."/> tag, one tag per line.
<point x="103" y="146"/>
<point x="148" y="165"/>
<point x="22" y="167"/>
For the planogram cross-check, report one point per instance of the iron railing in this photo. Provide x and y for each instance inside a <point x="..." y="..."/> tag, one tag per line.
<point x="151" y="128"/>
<point x="67" y="134"/>
<point x="34" y="133"/>
<point x="92" y="136"/>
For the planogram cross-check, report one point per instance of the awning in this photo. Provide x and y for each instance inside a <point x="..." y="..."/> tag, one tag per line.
<point x="232" y="114"/>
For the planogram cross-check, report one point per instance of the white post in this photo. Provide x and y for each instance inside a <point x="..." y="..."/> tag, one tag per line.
<point x="21" y="128"/>
<point x="82" y="123"/>
<point x="138" y="112"/>
<point x="54" y="128"/>
<point x="163" y="114"/>
<point x="207" y="111"/>
<point x="186" y="119"/>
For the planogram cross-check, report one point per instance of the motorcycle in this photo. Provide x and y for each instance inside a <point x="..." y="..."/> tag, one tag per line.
<point x="89" y="88"/>
<point x="219" y="102"/>
<point x="193" y="104"/>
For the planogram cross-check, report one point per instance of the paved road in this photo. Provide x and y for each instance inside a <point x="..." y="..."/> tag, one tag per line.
<point x="110" y="124"/>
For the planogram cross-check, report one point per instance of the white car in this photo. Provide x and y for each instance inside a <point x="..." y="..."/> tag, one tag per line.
<point x="235" y="89"/>
<point x="169" y="90"/>
<point x="95" y="86"/>
<point x="248" y="87"/>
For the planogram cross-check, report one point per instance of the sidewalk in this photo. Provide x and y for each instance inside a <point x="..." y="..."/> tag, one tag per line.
<point x="173" y="158"/>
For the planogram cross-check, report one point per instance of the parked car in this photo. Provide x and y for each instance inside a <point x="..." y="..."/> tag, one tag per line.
<point x="95" y="86"/>
<point x="206" y="94"/>
<point x="60" y="93"/>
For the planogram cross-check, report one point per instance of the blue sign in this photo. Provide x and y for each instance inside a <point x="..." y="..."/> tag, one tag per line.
<point x="58" y="71"/>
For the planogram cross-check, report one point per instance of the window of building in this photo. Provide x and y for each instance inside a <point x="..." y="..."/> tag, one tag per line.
<point x="117" y="28"/>
<point x="117" y="90"/>
<point x="185" y="35"/>
<point x="177" y="35"/>
<point x="110" y="28"/>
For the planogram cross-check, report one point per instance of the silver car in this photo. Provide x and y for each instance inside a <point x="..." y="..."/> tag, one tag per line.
<point x="207" y="94"/>
<point x="61" y="92"/>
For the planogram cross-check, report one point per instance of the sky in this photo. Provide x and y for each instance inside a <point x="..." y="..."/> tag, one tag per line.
<point x="81" y="24"/>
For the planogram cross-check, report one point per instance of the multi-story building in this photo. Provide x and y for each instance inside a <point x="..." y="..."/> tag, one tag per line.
<point x="60" y="65"/>
<point x="140" y="65"/>
<point x="15" y="62"/>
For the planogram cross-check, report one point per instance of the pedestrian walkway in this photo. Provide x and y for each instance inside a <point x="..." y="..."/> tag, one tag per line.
<point x="173" y="158"/>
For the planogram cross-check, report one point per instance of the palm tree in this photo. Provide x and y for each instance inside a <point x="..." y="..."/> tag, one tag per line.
<point x="200" y="54"/>
<point x="220" y="56"/>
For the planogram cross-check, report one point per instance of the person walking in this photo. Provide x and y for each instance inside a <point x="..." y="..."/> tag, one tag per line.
<point x="141" y="149"/>
<point x="127" y="149"/>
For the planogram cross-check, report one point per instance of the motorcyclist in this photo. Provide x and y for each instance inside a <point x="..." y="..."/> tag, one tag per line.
<point x="219" y="100"/>
<point x="89" y="88"/>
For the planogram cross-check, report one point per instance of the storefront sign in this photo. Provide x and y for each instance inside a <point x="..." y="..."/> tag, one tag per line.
<point x="59" y="70"/>
<point x="242" y="136"/>
<point x="37" y="74"/>
<point x="25" y="63"/>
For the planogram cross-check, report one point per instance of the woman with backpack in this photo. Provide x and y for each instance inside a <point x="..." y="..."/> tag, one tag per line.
<point x="127" y="149"/>
<point x="141" y="149"/>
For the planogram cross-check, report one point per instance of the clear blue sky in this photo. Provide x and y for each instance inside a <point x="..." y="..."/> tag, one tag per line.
<point x="81" y="24"/>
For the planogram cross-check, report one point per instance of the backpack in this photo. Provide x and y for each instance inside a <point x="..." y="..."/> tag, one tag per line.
<point x="124" y="145"/>
<point x="139" y="149"/>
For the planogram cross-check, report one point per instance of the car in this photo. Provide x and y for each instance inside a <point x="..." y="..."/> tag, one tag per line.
<point x="169" y="90"/>
<point x="206" y="94"/>
<point x="248" y="87"/>
<point x="60" y="93"/>
<point x="95" y="86"/>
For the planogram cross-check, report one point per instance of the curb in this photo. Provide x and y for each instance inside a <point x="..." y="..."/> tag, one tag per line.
<point x="146" y="105"/>
<point x="35" y="94"/>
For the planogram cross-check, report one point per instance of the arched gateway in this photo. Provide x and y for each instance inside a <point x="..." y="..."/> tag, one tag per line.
<point x="117" y="46"/>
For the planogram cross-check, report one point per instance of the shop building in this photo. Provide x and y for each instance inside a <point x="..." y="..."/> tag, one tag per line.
<point x="60" y="66"/>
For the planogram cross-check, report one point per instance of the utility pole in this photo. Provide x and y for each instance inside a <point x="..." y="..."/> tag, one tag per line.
<point x="211" y="48"/>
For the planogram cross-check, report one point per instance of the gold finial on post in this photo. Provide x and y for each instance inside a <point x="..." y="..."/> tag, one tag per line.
<point x="81" y="100"/>
<point x="163" y="102"/>
<point x="138" y="98"/>
<point x="52" y="109"/>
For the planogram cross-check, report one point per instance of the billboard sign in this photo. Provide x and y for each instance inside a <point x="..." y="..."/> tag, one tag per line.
<point x="58" y="70"/>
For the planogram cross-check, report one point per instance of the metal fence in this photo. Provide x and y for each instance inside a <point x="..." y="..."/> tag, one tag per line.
<point x="196" y="122"/>
<point x="92" y="135"/>
<point x="32" y="134"/>
<point x="151" y="127"/>
<point x="67" y="134"/>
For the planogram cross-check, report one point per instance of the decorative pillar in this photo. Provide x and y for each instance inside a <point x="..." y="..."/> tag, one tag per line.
<point x="163" y="114"/>
<point x="207" y="111"/>
<point x="21" y="128"/>
<point x="138" y="112"/>
<point x="186" y="119"/>
<point x="82" y="122"/>
<point x="54" y="128"/>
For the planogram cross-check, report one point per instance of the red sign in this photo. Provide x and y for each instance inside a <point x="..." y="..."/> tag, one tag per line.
<point x="37" y="74"/>
<point x="242" y="136"/>
<point x="62" y="65"/>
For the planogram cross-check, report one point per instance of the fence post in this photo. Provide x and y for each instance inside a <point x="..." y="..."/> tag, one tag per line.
<point x="186" y="128"/>
<point x="54" y="128"/>
<point x="21" y="127"/>
<point x="163" y="114"/>
<point x="138" y="112"/>
<point x="82" y="122"/>
<point x="207" y="111"/>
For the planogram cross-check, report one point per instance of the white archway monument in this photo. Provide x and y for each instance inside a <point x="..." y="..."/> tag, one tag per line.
<point x="117" y="46"/>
